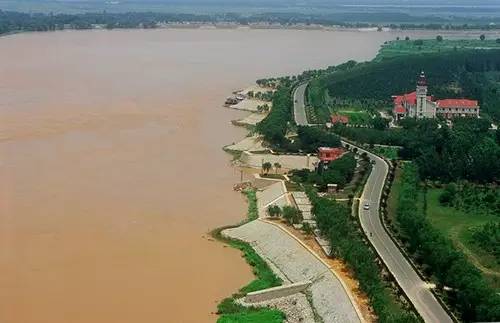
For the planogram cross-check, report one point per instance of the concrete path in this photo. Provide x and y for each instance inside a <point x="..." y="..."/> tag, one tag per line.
<point x="329" y="298"/>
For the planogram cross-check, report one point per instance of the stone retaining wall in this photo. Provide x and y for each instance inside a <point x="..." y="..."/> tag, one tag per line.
<point x="276" y="292"/>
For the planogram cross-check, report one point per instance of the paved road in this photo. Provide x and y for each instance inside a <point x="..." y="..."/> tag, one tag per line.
<point x="299" y="110"/>
<point x="414" y="287"/>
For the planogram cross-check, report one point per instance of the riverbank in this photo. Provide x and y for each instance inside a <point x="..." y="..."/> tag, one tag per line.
<point x="333" y="295"/>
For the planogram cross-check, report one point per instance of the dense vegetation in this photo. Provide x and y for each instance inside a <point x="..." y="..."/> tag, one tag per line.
<point x="468" y="150"/>
<point x="309" y="139"/>
<point x="472" y="198"/>
<point x="469" y="295"/>
<point x="339" y="171"/>
<point x="274" y="127"/>
<point x="438" y="45"/>
<point x="452" y="74"/>
<point x="488" y="238"/>
<point x="336" y="223"/>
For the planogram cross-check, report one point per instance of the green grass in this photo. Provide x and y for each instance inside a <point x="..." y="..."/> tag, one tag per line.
<point x="403" y="47"/>
<point x="459" y="226"/>
<point x="229" y="310"/>
<point x="387" y="152"/>
<point x="360" y="117"/>
<point x="261" y="316"/>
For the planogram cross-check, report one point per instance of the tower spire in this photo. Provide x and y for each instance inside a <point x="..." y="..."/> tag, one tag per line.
<point x="422" y="80"/>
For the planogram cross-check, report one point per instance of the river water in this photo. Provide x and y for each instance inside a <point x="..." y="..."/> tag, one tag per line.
<point x="111" y="168"/>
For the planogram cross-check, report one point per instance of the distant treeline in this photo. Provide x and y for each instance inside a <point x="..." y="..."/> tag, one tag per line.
<point x="16" y="21"/>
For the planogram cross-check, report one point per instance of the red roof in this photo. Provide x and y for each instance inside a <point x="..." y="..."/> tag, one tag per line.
<point x="340" y="119"/>
<point x="457" y="103"/>
<point x="328" y="154"/>
<point x="399" y="109"/>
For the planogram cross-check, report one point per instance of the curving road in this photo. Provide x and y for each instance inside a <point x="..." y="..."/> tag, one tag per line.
<point x="299" y="108"/>
<point x="414" y="287"/>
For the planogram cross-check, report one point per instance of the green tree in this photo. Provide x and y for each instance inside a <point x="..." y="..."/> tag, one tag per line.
<point x="274" y="211"/>
<point x="439" y="38"/>
<point x="277" y="167"/>
<point x="380" y="123"/>
<point x="292" y="215"/>
<point x="266" y="167"/>
<point x="482" y="37"/>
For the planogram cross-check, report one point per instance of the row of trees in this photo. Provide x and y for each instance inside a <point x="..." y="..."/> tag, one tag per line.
<point x="469" y="294"/>
<point x="274" y="126"/>
<point x="335" y="222"/>
<point x="291" y="214"/>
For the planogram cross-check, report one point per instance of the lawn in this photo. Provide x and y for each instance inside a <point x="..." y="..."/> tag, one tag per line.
<point x="459" y="226"/>
<point x="356" y="117"/>
<point x="404" y="47"/>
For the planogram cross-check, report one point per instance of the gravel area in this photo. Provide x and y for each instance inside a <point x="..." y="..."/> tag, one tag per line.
<point x="329" y="298"/>
<point x="286" y="161"/>
<point x="296" y="308"/>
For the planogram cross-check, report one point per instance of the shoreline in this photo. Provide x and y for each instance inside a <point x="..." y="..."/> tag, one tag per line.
<point x="348" y="286"/>
<point x="239" y="27"/>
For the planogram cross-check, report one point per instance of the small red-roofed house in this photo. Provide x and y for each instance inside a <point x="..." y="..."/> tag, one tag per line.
<point x="337" y="118"/>
<point x="328" y="154"/>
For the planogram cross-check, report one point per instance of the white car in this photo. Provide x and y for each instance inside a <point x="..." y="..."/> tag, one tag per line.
<point x="366" y="206"/>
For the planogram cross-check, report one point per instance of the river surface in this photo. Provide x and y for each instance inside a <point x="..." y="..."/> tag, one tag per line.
<point x="111" y="168"/>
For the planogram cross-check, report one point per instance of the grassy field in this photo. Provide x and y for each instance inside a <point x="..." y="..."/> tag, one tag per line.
<point x="404" y="47"/>
<point x="360" y="117"/>
<point x="459" y="226"/>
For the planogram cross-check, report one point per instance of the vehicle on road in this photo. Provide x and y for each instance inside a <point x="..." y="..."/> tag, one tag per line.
<point x="366" y="206"/>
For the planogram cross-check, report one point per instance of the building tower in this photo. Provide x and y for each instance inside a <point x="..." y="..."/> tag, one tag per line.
<point x="421" y="111"/>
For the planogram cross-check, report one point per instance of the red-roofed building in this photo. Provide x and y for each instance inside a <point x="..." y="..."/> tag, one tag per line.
<point x="420" y="105"/>
<point x="337" y="118"/>
<point x="327" y="154"/>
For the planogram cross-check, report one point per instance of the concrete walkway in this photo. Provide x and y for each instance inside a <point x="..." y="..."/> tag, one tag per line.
<point x="296" y="263"/>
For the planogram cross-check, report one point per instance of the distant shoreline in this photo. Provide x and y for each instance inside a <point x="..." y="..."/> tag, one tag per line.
<point x="297" y="27"/>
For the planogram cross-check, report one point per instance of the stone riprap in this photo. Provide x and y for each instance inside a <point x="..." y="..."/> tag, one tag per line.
<point x="296" y="263"/>
<point x="296" y="307"/>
